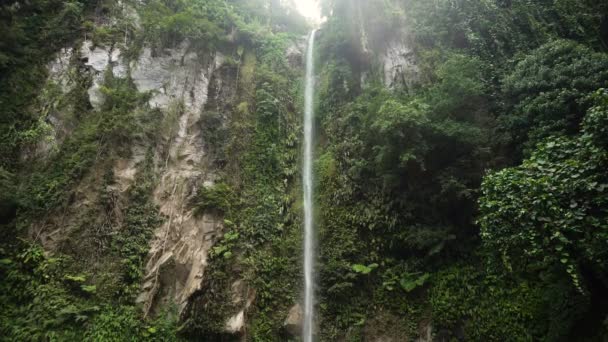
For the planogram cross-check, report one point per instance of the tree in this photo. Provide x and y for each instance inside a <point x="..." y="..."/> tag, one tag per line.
<point x="547" y="91"/>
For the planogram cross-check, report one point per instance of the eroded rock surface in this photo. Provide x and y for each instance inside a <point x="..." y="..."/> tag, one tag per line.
<point x="98" y="59"/>
<point x="178" y="81"/>
<point x="242" y="297"/>
<point x="400" y="68"/>
<point x="179" y="250"/>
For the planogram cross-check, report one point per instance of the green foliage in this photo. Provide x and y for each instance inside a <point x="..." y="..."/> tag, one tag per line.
<point x="412" y="281"/>
<point x="459" y="87"/>
<point x="548" y="90"/>
<point x="399" y="171"/>
<point x="260" y="246"/>
<point x="7" y="195"/>
<point x="216" y="198"/>
<point x="99" y="134"/>
<point x="216" y="135"/>
<point x="362" y="269"/>
<point x="484" y="309"/>
<point x="224" y="249"/>
<point x="141" y="218"/>
<point x="427" y="146"/>
<point x="168" y="23"/>
<point x="208" y="25"/>
<point x="36" y="305"/>
<point x="550" y="211"/>
<point x="498" y="29"/>
<point x="122" y="323"/>
<point x="42" y="299"/>
<point x="29" y="34"/>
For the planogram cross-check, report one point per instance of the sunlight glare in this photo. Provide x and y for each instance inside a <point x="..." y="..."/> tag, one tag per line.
<point x="309" y="9"/>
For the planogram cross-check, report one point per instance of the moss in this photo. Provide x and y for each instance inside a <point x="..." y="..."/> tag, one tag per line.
<point x="247" y="71"/>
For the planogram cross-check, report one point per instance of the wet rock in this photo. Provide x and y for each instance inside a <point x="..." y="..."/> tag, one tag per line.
<point x="242" y="296"/>
<point x="399" y="63"/>
<point x="295" y="52"/>
<point x="59" y="68"/>
<point x="293" y="322"/>
<point x="175" y="75"/>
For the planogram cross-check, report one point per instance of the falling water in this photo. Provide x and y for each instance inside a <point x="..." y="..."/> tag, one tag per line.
<point x="307" y="331"/>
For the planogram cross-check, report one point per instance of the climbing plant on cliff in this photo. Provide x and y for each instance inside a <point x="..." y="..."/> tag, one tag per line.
<point x="551" y="211"/>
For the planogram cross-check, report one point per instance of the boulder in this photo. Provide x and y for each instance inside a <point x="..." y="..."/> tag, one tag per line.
<point x="294" y="320"/>
<point x="236" y="324"/>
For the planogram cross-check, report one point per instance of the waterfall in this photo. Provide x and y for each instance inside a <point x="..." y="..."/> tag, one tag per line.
<point x="307" y="327"/>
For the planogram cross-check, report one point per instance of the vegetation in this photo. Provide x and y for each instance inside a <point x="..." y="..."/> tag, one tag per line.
<point x="465" y="190"/>
<point x="549" y="212"/>
<point x="403" y="180"/>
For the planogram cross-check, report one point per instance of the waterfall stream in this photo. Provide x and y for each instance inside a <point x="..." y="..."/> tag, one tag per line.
<point x="307" y="181"/>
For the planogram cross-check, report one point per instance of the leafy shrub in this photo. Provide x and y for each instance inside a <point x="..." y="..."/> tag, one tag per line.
<point x="486" y="308"/>
<point x="549" y="89"/>
<point x="551" y="210"/>
<point x="218" y="197"/>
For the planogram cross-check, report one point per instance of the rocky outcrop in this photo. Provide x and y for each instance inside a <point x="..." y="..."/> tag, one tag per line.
<point x="59" y="67"/>
<point x="174" y="75"/>
<point x="294" y="52"/>
<point x="242" y="297"/>
<point x="375" y="43"/>
<point x="399" y="63"/>
<point x="293" y="322"/>
<point x="236" y="323"/>
<point x="99" y="59"/>
<point x="425" y="332"/>
<point x="178" y="81"/>
<point x="57" y="127"/>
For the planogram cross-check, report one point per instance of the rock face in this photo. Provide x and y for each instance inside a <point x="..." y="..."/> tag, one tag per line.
<point x="236" y="323"/>
<point x="59" y="77"/>
<point x="176" y="74"/>
<point x="178" y="253"/>
<point x="178" y="81"/>
<point x="184" y="85"/>
<point x="374" y="45"/>
<point x="294" y="52"/>
<point x="98" y="59"/>
<point x="242" y="296"/>
<point x="399" y="64"/>
<point x="59" y="67"/>
<point x="294" y="320"/>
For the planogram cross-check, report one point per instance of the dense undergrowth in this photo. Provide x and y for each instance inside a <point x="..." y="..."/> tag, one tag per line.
<point x="401" y="171"/>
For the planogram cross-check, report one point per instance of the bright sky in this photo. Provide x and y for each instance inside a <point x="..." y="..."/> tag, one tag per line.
<point x="310" y="9"/>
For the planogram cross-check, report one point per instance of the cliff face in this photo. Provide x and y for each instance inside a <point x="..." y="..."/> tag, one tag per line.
<point x="203" y="101"/>
<point x="178" y="82"/>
